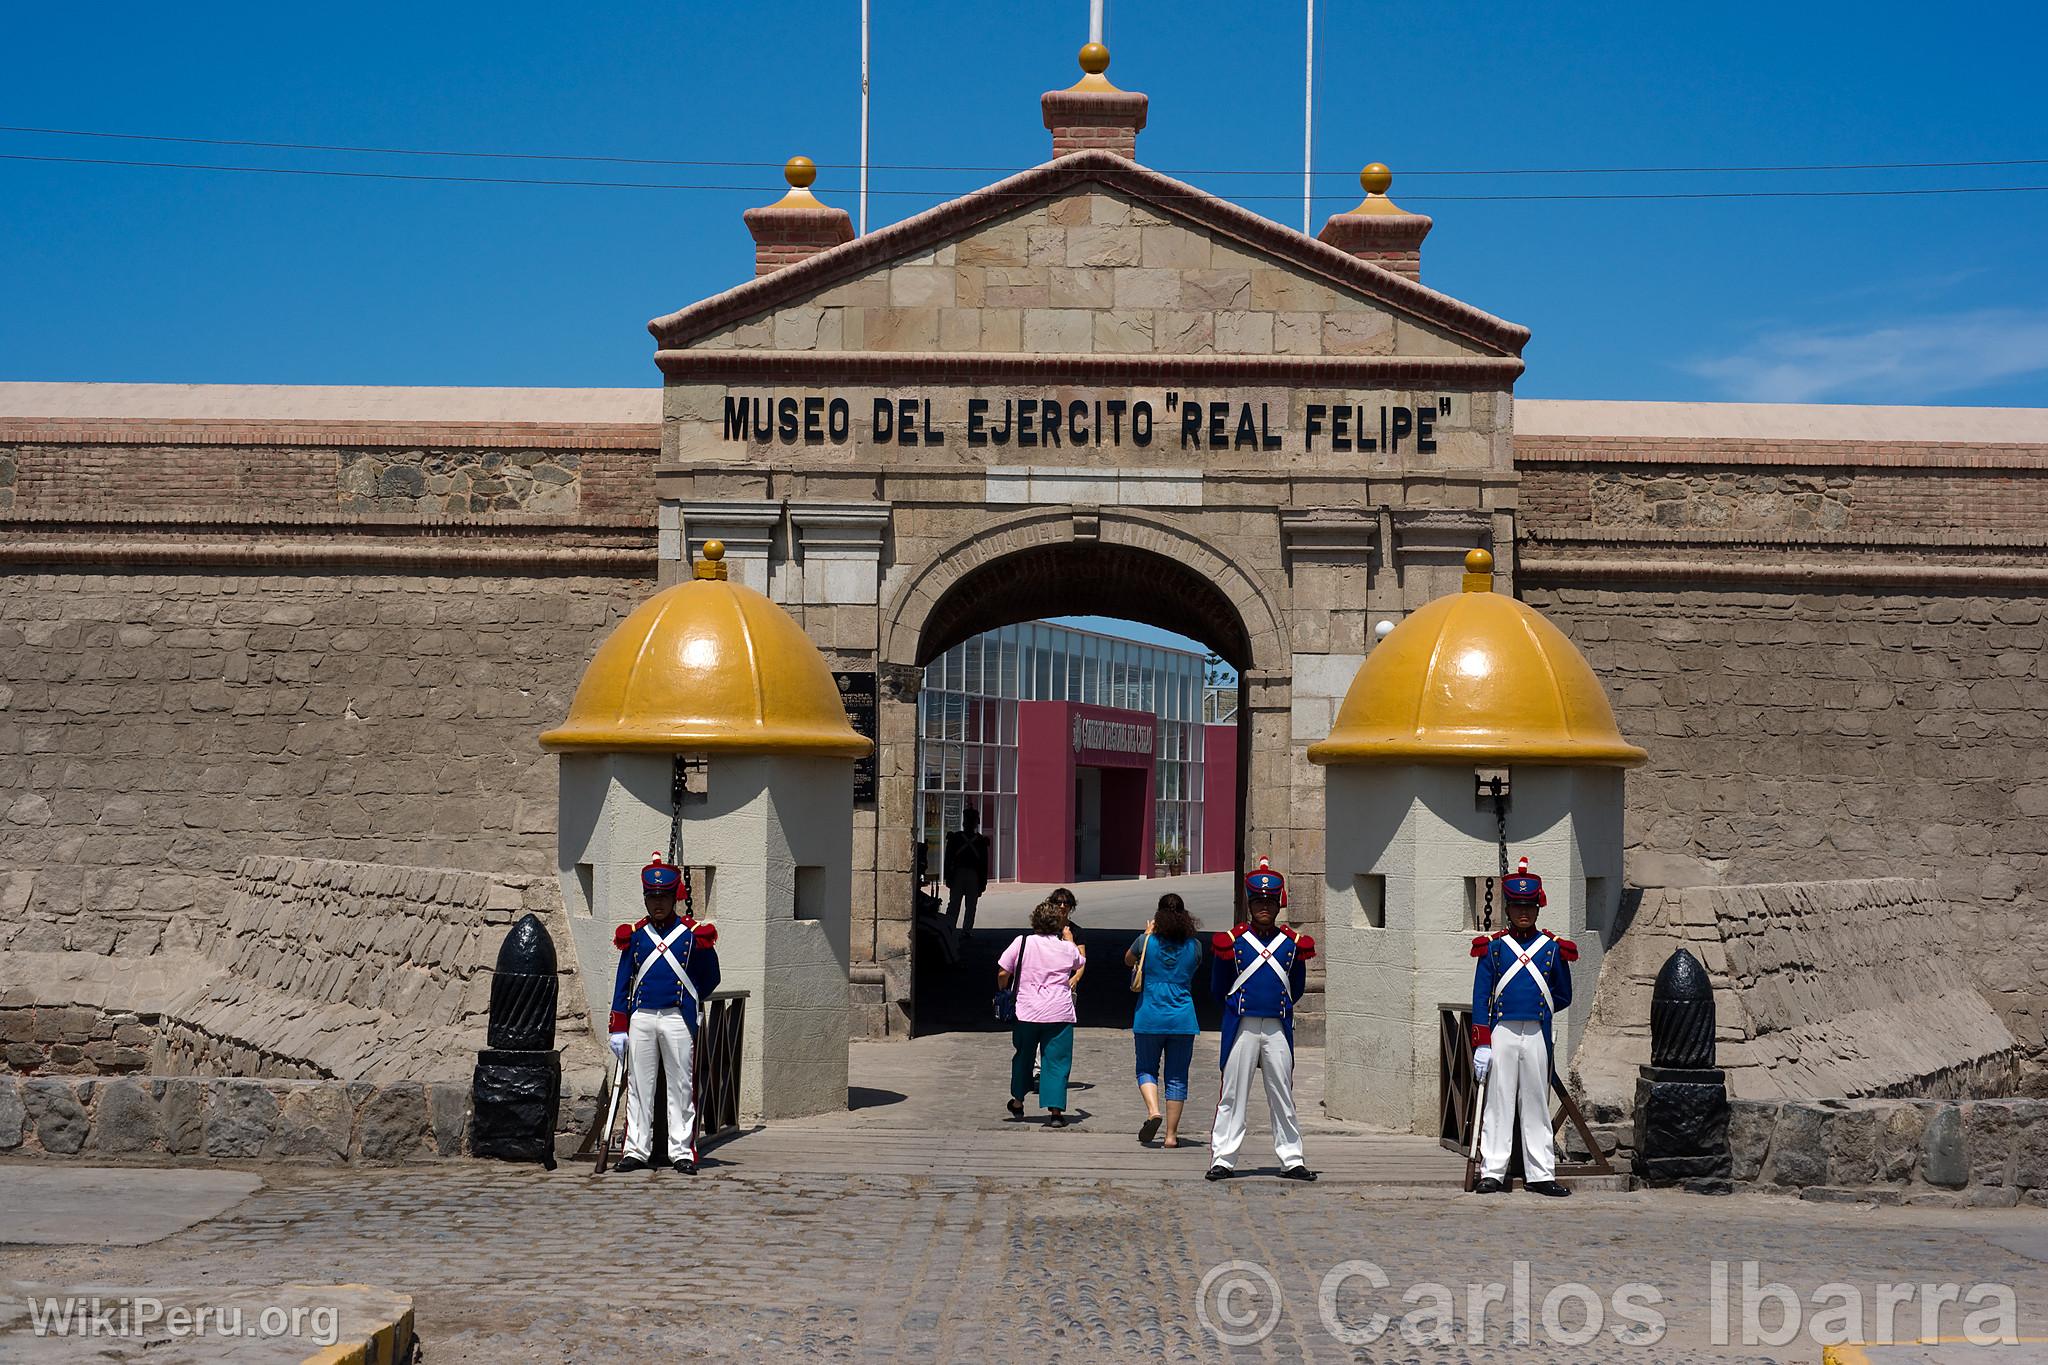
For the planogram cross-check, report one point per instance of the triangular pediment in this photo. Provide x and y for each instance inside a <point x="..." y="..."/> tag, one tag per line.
<point x="1092" y="254"/>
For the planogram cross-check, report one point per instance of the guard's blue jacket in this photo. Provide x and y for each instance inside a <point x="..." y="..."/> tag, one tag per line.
<point x="1264" y="994"/>
<point x="1522" y="998"/>
<point x="659" y="988"/>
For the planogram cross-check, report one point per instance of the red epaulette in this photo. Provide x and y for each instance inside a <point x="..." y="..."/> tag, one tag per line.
<point x="1567" y="949"/>
<point x="1222" y="942"/>
<point x="1304" y="945"/>
<point x="706" y="935"/>
<point x="622" y="936"/>
<point x="1480" y="943"/>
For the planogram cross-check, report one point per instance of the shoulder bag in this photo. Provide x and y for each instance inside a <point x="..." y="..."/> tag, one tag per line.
<point x="1005" y="1002"/>
<point x="1138" y="972"/>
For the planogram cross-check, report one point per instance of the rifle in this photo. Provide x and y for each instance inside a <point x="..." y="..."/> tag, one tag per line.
<point x="1472" y="1149"/>
<point x="611" y="1115"/>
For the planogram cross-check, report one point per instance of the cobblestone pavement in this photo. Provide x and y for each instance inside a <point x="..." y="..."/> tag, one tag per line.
<point x="509" y="1264"/>
<point x="923" y="1226"/>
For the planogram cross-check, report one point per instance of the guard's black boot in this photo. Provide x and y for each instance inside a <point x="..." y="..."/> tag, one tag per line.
<point x="1298" y="1173"/>
<point x="1546" y="1187"/>
<point x="629" y="1164"/>
<point x="1488" y="1185"/>
<point x="1219" y="1172"/>
<point x="685" y="1166"/>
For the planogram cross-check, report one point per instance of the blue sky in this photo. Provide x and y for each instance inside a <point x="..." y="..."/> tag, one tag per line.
<point x="127" y="273"/>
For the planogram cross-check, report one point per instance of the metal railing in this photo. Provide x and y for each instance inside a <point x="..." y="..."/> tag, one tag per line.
<point x="719" y="1038"/>
<point x="1458" y="1094"/>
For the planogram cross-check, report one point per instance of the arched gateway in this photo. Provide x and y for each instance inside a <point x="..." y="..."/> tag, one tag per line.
<point x="1088" y="388"/>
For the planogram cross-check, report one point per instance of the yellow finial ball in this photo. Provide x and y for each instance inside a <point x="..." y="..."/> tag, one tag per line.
<point x="1376" y="178"/>
<point x="1094" y="59"/>
<point x="1476" y="561"/>
<point x="714" y="550"/>
<point x="799" y="172"/>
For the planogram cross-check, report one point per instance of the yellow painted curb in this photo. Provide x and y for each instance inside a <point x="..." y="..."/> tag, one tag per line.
<point x="389" y="1344"/>
<point x="1858" y="1353"/>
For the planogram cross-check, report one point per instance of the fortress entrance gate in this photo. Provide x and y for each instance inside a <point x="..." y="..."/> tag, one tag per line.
<point x="1088" y="388"/>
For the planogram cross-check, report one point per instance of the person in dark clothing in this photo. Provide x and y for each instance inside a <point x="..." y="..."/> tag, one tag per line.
<point x="966" y="868"/>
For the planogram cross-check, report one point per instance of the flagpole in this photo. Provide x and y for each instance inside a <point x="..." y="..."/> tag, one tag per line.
<point x="1308" y="116"/>
<point x="1094" y="21"/>
<point x="863" y="117"/>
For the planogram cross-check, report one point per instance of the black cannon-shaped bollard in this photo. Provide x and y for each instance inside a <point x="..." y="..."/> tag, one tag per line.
<point x="517" y="1093"/>
<point x="1681" y="1096"/>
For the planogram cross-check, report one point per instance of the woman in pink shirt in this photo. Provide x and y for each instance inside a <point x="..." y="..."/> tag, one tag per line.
<point x="1047" y="970"/>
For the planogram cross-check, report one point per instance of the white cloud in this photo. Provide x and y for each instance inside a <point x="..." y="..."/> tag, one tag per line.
<point x="1904" y="362"/>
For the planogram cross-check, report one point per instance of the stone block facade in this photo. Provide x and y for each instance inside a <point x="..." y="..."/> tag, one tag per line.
<point x="1980" y="1154"/>
<point x="40" y="1037"/>
<point x="1841" y="989"/>
<point x="151" y="1118"/>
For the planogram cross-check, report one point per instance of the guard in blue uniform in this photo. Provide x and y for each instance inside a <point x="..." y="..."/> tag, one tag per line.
<point x="668" y="965"/>
<point x="1521" y="981"/>
<point x="1260" y="969"/>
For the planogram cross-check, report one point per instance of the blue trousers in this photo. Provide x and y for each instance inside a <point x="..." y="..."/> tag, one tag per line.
<point x="1058" y="1042"/>
<point x="1178" y="1050"/>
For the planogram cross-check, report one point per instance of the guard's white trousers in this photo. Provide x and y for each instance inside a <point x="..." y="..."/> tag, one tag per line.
<point x="1261" y="1047"/>
<point x="1520" y="1079"/>
<point x="664" y="1033"/>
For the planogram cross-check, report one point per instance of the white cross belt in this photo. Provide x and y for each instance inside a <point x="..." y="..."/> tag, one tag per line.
<point x="1264" y="959"/>
<point x="1524" y="961"/>
<point x="661" y="953"/>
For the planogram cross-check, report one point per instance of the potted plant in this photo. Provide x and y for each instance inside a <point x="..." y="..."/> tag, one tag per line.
<point x="1170" y="859"/>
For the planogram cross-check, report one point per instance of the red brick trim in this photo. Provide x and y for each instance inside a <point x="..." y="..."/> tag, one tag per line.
<point x="496" y="524"/>
<point x="1553" y="534"/>
<point x="1551" y="450"/>
<point x="1791" y="576"/>
<point x="151" y="431"/>
<point x="973" y="367"/>
<point x="1172" y="197"/>
<point x="283" y="556"/>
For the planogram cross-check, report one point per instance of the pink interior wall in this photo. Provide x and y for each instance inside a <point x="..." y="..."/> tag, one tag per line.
<point x="1219" y="799"/>
<point x="1045" y="792"/>
<point x="1046" y="759"/>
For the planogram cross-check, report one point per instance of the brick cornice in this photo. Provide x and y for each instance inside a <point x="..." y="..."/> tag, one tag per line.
<point x="1557" y="534"/>
<point x="290" y="556"/>
<point x="1785" y="575"/>
<point x="131" y="431"/>
<point x="1120" y="175"/>
<point x="976" y="367"/>
<point x="1730" y="451"/>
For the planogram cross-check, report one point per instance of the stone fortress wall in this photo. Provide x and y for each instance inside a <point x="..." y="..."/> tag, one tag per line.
<point x="1825" y="624"/>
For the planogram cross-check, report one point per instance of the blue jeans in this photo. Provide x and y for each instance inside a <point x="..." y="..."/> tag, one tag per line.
<point x="1179" y="1050"/>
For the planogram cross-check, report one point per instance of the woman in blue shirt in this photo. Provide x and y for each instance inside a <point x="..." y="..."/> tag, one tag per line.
<point x="1164" y="1027"/>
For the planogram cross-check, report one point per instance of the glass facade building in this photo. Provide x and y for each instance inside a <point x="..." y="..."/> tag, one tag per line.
<point x="978" y="698"/>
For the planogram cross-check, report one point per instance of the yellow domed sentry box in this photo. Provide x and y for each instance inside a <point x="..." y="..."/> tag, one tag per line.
<point x="712" y="680"/>
<point x="1470" y="686"/>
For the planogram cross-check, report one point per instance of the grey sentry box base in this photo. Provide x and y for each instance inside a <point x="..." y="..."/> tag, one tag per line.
<point x="776" y="836"/>
<point x="1409" y="849"/>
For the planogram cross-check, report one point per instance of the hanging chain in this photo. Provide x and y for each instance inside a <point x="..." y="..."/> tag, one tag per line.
<point x="1500" y="814"/>
<point x="678" y="787"/>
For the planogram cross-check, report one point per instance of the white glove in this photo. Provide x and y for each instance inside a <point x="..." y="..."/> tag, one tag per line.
<point x="1482" y="1062"/>
<point x="619" y="1045"/>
